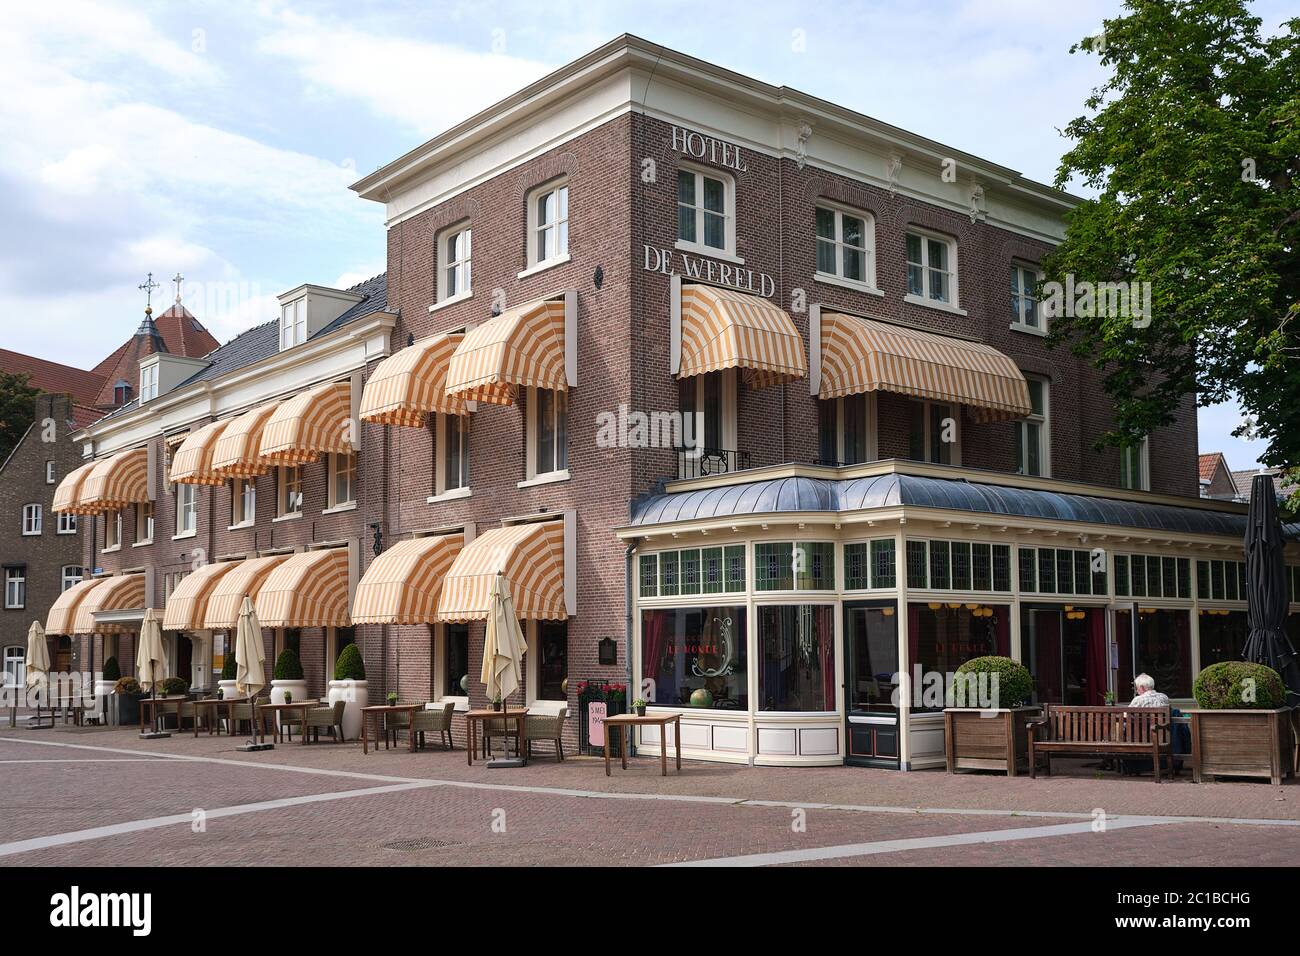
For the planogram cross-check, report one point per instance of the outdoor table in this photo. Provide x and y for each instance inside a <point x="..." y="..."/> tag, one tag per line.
<point x="302" y="705"/>
<point x="210" y="709"/>
<point x="619" y="721"/>
<point x="217" y="703"/>
<point x="475" y="717"/>
<point x="152" y="704"/>
<point x="381" y="711"/>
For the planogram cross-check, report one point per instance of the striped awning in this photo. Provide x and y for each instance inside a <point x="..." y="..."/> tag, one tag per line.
<point x="244" y="580"/>
<point x="117" y="482"/>
<point x="187" y="607"/>
<point x="308" y="590"/>
<point x="236" y="452"/>
<point x="521" y="347"/>
<point x="529" y="555"/>
<point x="309" y="425"/>
<point x="407" y="386"/>
<point x="61" y="621"/>
<point x="722" y="329"/>
<point x="192" y="463"/>
<point x="121" y="593"/>
<point x="859" y="355"/>
<point x="402" y="585"/>
<point x="67" y="497"/>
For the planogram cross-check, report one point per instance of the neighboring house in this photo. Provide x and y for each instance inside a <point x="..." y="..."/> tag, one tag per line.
<point x="1245" y="481"/>
<point x="1217" y="479"/>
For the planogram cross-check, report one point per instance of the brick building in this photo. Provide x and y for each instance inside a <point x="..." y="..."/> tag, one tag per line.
<point x="744" y="394"/>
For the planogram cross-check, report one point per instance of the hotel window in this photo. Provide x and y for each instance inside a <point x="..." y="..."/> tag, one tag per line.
<point x="31" y="519"/>
<point x="67" y="523"/>
<point x="846" y="435"/>
<point x="794" y="566"/>
<point x="1134" y="466"/>
<point x="870" y="564"/>
<point x="187" y="509"/>
<point x="1031" y="432"/>
<point x="243" y="501"/>
<point x="290" y="491"/>
<point x="1025" y="312"/>
<point x="72" y="574"/>
<point x="293" y="323"/>
<point x="144" y="522"/>
<point x="548" y="425"/>
<point x="708" y="408"/>
<point x="454" y="263"/>
<point x="943" y="637"/>
<point x="934" y="433"/>
<point x="797" y="670"/>
<point x="343" y="480"/>
<point x="1064" y="571"/>
<point x="692" y="571"/>
<point x="148" y="382"/>
<point x="706" y="205"/>
<point x="548" y="224"/>
<point x="698" y="650"/>
<point x="451" y="461"/>
<point x="456" y="666"/>
<point x="112" y="530"/>
<point x="15" y="673"/>
<point x="931" y="268"/>
<point x="16" y="587"/>
<point x="958" y="566"/>
<point x="49" y="472"/>
<point x="846" y="247"/>
<point x="552" y="660"/>
<point x="121" y="392"/>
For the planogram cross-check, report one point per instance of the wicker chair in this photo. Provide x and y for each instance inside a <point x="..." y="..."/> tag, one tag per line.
<point x="393" y="724"/>
<point x="425" y="721"/>
<point x="330" y="718"/>
<point x="548" y="725"/>
<point x="244" y="711"/>
<point x="499" y="727"/>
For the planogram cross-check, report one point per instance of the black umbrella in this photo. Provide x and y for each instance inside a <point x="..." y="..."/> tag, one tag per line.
<point x="1266" y="588"/>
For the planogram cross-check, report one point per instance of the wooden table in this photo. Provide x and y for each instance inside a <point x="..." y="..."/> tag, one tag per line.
<point x="153" y="703"/>
<point x="620" y="721"/>
<point x="212" y="719"/>
<point x="276" y="709"/>
<point x="475" y="717"/>
<point x="383" y="710"/>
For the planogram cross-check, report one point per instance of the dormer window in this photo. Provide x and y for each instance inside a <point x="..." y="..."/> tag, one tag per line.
<point x="121" y="392"/>
<point x="293" y="323"/>
<point x="148" y="382"/>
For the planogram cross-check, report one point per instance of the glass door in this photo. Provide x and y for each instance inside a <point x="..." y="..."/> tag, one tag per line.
<point x="871" y="678"/>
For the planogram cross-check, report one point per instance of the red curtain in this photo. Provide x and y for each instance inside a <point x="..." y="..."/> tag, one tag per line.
<point x="1095" y="658"/>
<point x="654" y="641"/>
<point x="826" y="652"/>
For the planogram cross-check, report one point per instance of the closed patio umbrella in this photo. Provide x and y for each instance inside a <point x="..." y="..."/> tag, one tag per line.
<point x="151" y="663"/>
<point x="38" y="668"/>
<point x="1266" y="590"/>
<point x="250" y="675"/>
<point x="503" y="643"/>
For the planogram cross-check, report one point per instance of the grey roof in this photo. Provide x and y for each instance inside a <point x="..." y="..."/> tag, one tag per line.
<point x="804" y="494"/>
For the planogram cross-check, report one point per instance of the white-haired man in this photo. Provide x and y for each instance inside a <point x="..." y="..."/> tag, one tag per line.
<point x="1147" y="695"/>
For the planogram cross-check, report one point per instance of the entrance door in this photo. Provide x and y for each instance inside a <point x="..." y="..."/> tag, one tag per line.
<point x="871" y="674"/>
<point x="184" y="657"/>
<point x="63" y="655"/>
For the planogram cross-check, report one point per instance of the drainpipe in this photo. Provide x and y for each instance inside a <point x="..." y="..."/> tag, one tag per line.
<point x="627" y="625"/>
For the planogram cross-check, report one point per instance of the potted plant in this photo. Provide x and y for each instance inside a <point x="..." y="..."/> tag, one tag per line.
<point x="1241" y="727"/>
<point x="173" y="686"/>
<point x="392" y="698"/>
<point x="226" y="685"/>
<point x="349" y="685"/>
<point x="497" y="703"/>
<point x="126" y="701"/>
<point x="984" y="724"/>
<point x="639" y="706"/>
<point x="287" y="681"/>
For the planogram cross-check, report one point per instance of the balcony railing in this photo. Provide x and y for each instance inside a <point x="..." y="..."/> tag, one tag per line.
<point x="702" y="462"/>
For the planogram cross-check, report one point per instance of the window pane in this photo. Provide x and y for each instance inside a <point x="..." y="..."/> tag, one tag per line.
<point x="883" y="574"/>
<point x="561" y="430"/>
<point x="686" y="187"/>
<point x="913" y="249"/>
<point x="797" y="671"/>
<point x="914" y="280"/>
<point x="943" y="638"/>
<point x="814" y="566"/>
<point x="854" y="231"/>
<point x="685" y="224"/>
<point x="1163" y="650"/>
<point x="825" y="224"/>
<point x="827" y="432"/>
<point x="826" y="256"/>
<point x="457" y="660"/>
<point x="940" y="578"/>
<point x="916" y="431"/>
<point x="684" y="650"/>
<point x="545" y="430"/>
<point x="546" y="209"/>
<point x="938" y="254"/>
<point x="773" y="566"/>
<point x="855" y="429"/>
<point x="939" y="285"/>
<point x="734" y="558"/>
<point x="856" y="567"/>
<point x="853" y="263"/>
<point x="648" y="565"/>
<point x="715" y="232"/>
<point x="714" y="195"/>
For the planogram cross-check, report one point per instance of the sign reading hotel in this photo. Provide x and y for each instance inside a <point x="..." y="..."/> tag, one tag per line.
<point x="707" y="148"/>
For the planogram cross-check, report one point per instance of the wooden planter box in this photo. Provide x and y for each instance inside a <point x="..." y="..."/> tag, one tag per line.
<point x="975" y="739"/>
<point x="1243" y="743"/>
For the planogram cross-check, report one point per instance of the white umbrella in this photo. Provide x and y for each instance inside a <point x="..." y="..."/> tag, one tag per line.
<point x="503" y="643"/>
<point x="38" y="658"/>
<point x="250" y="677"/>
<point x="150" y="661"/>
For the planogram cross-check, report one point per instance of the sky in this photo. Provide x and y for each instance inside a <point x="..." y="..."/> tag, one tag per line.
<point x="217" y="140"/>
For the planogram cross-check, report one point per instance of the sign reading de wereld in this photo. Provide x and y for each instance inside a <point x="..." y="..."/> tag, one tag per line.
<point x="709" y="270"/>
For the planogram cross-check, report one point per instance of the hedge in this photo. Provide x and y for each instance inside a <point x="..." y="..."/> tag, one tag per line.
<point x="1015" y="683"/>
<point x="287" y="666"/>
<point x="111" y="671"/>
<point x="1239" y="685"/>
<point x="228" y="666"/>
<point x="349" y="665"/>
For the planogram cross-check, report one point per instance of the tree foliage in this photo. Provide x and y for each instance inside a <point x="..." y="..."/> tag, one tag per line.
<point x="17" y="410"/>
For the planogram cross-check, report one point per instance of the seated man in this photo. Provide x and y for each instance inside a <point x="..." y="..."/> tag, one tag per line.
<point x="1147" y="695"/>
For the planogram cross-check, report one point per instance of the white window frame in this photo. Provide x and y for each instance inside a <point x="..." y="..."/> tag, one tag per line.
<point x="873" y="452"/>
<point x="342" y="465"/>
<point x="14" y="664"/>
<point x="533" y="259"/>
<point x="67" y="523"/>
<point x="534" y="475"/>
<point x="1019" y="272"/>
<point x="441" y="662"/>
<point x="148" y="382"/>
<point x="72" y="574"/>
<point x="49" y="472"/>
<point x="728" y="250"/>
<point x="1143" y="452"/>
<point x="868" y="282"/>
<point x="954" y="414"/>
<point x="461" y="268"/>
<point x="187" y="510"/>
<point x="953" y="302"/>
<point x="144" y="523"/>
<point x="1043" y="422"/>
<point x="243" y="502"/>
<point x="33" y="519"/>
<point x="293" y="323"/>
<point x="15" y="588"/>
<point x="442" y="426"/>
<point x="112" y="530"/>
<point x="282" y="488"/>
<point x="729" y="439"/>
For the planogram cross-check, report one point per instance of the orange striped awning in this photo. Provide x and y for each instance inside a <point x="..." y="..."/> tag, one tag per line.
<point x="63" y="612"/>
<point x="117" y="482"/>
<point x="722" y="328"/>
<point x="521" y="347"/>
<point x="192" y="463"/>
<point x="121" y="593"/>
<point x="860" y="355"/>
<point x="309" y="425"/>
<point x="187" y="607"/>
<point x="67" y="497"/>
<point x="402" y="585"/>
<point x="308" y="590"/>
<point x="244" y="580"/>
<point x="407" y="386"/>
<point x="235" y="454"/>
<point x="530" y="555"/>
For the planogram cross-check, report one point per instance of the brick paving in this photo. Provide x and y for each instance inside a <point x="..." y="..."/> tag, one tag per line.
<point x="72" y="779"/>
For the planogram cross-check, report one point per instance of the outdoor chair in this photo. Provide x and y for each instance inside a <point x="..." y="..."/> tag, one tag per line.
<point x="547" y="725"/>
<point x="499" y="727"/>
<point x="393" y="723"/>
<point x="244" y="712"/>
<point x="331" y="718"/>
<point x="438" y="721"/>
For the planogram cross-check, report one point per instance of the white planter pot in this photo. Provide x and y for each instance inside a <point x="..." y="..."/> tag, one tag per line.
<point x="355" y="694"/>
<point x="297" y="689"/>
<point x="103" y="688"/>
<point x="228" y="689"/>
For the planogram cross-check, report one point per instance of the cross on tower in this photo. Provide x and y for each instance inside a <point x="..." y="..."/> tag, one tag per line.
<point x="148" y="285"/>
<point x="178" y="279"/>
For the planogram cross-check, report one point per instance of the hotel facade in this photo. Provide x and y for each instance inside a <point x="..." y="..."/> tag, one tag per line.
<point x="747" y="397"/>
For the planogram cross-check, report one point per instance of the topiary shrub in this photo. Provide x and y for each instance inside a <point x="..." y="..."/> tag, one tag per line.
<point x="349" y="665"/>
<point x="287" y="665"/>
<point x="127" y="685"/>
<point x="1015" y="684"/>
<point x="173" y="685"/>
<point x="228" y="666"/>
<point x="1239" y="685"/>
<point x="111" y="671"/>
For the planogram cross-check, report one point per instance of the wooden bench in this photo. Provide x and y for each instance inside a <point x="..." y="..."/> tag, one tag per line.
<point x="1100" y="730"/>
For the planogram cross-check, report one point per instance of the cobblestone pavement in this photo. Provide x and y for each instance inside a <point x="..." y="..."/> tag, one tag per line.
<point x="68" y="796"/>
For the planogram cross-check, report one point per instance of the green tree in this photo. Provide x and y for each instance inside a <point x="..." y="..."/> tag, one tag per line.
<point x="17" y="410"/>
<point x="1193" y="148"/>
